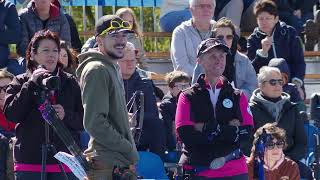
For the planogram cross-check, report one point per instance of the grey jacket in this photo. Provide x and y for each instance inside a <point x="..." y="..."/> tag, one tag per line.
<point x="184" y="44"/>
<point x="31" y="23"/>
<point x="245" y="75"/>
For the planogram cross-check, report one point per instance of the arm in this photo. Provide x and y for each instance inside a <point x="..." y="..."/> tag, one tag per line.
<point x="179" y="55"/>
<point x="65" y="29"/>
<point x="20" y="100"/>
<point x="258" y="60"/>
<point x="74" y="117"/>
<point x="185" y="127"/>
<point x="22" y="46"/>
<point x="299" y="148"/>
<point x="75" y="40"/>
<point x="96" y="113"/>
<point x="250" y="83"/>
<point x="12" y="32"/>
<point x="298" y="65"/>
<point x="150" y="103"/>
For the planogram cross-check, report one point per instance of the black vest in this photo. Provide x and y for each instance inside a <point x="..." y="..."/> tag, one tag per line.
<point x="201" y="111"/>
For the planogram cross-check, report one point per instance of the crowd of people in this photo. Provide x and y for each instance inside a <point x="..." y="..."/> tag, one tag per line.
<point x="231" y="114"/>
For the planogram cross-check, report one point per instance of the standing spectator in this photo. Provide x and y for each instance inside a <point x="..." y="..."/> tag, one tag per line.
<point x="21" y="106"/>
<point x="210" y="116"/>
<point x="274" y="39"/>
<point x="239" y="70"/>
<point x="68" y="58"/>
<point x="135" y="38"/>
<point x="10" y="30"/>
<point x="276" y="165"/>
<point x="152" y="137"/>
<point x="187" y="36"/>
<point x="177" y="81"/>
<point x="6" y="127"/>
<point x="103" y="96"/>
<point x="270" y="104"/>
<point x="42" y="14"/>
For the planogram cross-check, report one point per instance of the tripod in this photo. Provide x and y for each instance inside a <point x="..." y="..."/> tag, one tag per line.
<point x="47" y="146"/>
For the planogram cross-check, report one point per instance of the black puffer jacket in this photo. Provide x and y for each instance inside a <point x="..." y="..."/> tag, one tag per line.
<point x="21" y="106"/>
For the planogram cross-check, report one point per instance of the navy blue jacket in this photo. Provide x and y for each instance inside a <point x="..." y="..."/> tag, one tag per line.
<point x="287" y="45"/>
<point x="10" y="29"/>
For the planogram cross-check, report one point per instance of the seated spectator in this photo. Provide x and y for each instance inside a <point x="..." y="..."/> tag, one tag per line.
<point x="135" y="37"/>
<point x="270" y="104"/>
<point x="210" y="116"/>
<point x="239" y="70"/>
<point x="6" y="127"/>
<point x="174" y="12"/>
<point x="42" y="15"/>
<point x="188" y="35"/>
<point x="153" y="133"/>
<point x="21" y="107"/>
<point x="68" y="58"/>
<point x="10" y="32"/>
<point x="276" y="165"/>
<point x="274" y="39"/>
<point x="177" y="81"/>
<point x="296" y="93"/>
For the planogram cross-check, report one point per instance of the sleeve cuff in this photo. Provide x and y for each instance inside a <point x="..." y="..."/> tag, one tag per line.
<point x="260" y="53"/>
<point x="297" y="81"/>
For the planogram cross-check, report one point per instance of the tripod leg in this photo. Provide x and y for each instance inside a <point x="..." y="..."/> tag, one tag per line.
<point x="44" y="162"/>
<point x="54" y="150"/>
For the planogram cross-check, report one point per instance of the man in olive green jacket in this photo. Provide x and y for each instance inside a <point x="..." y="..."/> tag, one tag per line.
<point x="105" y="113"/>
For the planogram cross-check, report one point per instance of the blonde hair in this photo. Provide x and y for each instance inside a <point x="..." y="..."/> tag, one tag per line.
<point x="135" y="25"/>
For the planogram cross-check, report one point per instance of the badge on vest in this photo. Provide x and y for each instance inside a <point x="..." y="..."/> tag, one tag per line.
<point x="227" y="103"/>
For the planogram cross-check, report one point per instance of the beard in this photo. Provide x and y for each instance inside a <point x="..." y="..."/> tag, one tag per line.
<point x="114" y="55"/>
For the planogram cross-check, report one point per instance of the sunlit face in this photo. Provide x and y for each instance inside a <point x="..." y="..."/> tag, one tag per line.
<point x="266" y="22"/>
<point x="4" y="82"/>
<point x="113" y="44"/>
<point x="64" y="57"/>
<point x="47" y="54"/>
<point x="178" y="87"/>
<point x="275" y="153"/>
<point x="213" y="62"/>
<point x="226" y="34"/>
<point x="269" y="90"/>
<point x="202" y="10"/>
<point x="128" y="17"/>
<point x="128" y="64"/>
<point x="42" y="4"/>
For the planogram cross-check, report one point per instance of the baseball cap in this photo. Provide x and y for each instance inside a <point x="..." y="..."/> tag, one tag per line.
<point x="110" y="24"/>
<point x="210" y="43"/>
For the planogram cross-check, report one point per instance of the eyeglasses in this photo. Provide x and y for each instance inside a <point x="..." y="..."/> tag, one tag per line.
<point x="182" y="85"/>
<point x="3" y="88"/>
<point x="272" y="145"/>
<point x="274" y="82"/>
<point x="115" y="24"/>
<point x="228" y="37"/>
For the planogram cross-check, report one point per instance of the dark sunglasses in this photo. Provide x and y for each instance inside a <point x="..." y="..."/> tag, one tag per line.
<point x="229" y="37"/>
<point x="274" y="82"/>
<point x="3" y="88"/>
<point x="272" y="145"/>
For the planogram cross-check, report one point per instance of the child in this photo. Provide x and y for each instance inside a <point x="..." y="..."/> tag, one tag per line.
<point x="176" y="81"/>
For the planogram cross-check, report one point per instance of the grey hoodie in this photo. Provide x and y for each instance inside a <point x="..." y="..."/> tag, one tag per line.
<point x="105" y="113"/>
<point x="273" y="108"/>
<point x="184" y="44"/>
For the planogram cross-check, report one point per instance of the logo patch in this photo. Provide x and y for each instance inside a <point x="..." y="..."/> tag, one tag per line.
<point x="227" y="103"/>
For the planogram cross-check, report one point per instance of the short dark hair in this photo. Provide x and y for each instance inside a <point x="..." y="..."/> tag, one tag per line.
<point x="224" y="23"/>
<point x="265" y="6"/>
<point x="176" y="76"/>
<point x="34" y="45"/>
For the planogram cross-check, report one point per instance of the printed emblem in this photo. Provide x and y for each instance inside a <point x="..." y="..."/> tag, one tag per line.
<point x="227" y="103"/>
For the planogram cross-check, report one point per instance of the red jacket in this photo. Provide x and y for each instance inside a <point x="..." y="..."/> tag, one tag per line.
<point x="5" y="124"/>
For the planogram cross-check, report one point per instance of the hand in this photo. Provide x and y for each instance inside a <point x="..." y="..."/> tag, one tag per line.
<point x="60" y="111"/>
<point x="37" y="73"/>
<point x="266" y="44"/>
<point x="297" y="13"/>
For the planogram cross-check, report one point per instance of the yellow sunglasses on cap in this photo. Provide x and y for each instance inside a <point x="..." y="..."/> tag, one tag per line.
<point x="115" y="24"/>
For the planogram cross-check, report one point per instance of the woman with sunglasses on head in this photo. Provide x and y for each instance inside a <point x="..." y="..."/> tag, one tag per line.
<point x="276" y="165"/>
<point x="23" y="99"/>
<point x="238" y="67"/>
<point x="269" y="104"/>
